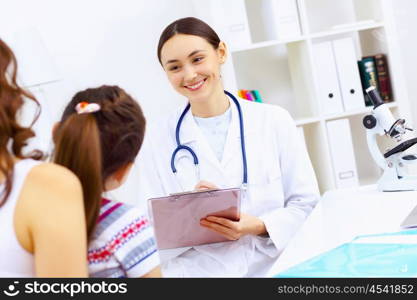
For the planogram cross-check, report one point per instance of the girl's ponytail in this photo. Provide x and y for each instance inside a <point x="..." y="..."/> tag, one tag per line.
<point x="100" y="132"/>
<point x="78" y="147"/>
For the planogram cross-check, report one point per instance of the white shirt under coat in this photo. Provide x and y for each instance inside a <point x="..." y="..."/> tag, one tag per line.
<point x="282" y="188"/>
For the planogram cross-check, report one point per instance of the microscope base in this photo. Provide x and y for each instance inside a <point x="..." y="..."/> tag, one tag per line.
<point x="398" y="185"/>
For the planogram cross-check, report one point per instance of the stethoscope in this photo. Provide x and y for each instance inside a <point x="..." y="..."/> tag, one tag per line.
<point x="194" y="155"/>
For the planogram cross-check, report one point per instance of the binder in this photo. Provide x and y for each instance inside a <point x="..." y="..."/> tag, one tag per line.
<point x="342" y="155"/>
<point x="329" y="92"/>
<point x="227" y="18"/>
<point x="384" y="80"/>
<point x="286" y="20"/>
<point x="368" y="74"/>
<point x="348" y="74"/>
<point x="241" y="94"/>
<point x="248" y="96"/>
<point x="257" y="96"/>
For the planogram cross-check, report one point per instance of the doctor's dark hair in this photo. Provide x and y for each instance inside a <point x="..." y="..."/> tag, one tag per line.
<point x="190" y="26"/>
<point x="12" y="135"/>
<point x="96" y="145"/>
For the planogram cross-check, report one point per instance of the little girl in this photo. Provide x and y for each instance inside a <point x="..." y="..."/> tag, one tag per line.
<point x="98" y="138"/>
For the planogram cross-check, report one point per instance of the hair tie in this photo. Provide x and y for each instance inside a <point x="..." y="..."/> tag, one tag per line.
<point x="86" y="108"/>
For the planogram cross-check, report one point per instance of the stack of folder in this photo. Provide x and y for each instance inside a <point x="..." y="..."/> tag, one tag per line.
<point x="252" y="95"/>
<point x="374" y="72"/>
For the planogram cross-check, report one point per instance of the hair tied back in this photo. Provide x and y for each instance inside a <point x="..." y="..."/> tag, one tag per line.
<point x="86" y="108"/>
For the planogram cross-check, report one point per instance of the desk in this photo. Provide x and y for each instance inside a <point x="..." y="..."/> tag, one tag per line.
<point x="342" y="215"/>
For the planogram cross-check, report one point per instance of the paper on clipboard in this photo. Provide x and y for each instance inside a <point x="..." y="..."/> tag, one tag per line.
<point x="176" y="218"/>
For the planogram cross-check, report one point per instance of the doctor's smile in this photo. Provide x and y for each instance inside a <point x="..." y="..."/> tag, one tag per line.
<point x="196" y="86"/>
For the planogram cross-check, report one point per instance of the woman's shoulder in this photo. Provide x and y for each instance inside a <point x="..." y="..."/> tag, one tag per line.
<point x="163" y="126"/>
<point x="48" y="186"/>
<point x="50" y="194"/>
<point x="170" y="118"/>
<point x="53" y="176"/>
<point x="266" y="111"/>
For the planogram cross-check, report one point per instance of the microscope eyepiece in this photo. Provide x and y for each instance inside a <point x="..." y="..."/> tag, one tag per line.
<point x="374" y="96"/>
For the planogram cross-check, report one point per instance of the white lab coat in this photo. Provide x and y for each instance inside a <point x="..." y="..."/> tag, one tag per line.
<point x="282" y="188"/>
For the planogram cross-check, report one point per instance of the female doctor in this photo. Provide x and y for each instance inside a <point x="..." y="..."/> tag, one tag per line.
<point x="217" y="140"/>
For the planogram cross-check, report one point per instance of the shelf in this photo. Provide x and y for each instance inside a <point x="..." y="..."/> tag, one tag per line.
<point x="269" y="44"/>
<point x="364" y="110"/>
<point x="328" y="33"/>
<point x="354" y="27"/>
<point x="288" y="71"/>
<point x="306" y="121"/>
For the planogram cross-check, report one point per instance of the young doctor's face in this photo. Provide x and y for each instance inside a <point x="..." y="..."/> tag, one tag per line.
<point x="193" y="66"/>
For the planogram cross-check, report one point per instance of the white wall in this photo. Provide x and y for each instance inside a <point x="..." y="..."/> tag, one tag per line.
<point x="405" y="13"/>
<point x="101" y="41"/>
<point x="95" y="42"/>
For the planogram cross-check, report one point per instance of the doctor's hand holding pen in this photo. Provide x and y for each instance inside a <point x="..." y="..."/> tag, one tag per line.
<point x="232" y="230"/>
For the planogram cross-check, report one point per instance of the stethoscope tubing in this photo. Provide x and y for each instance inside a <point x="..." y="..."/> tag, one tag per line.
<point x="194" y="155"/>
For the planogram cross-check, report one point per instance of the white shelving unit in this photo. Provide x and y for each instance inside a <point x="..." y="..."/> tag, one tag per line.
<point x="285" y="69"/>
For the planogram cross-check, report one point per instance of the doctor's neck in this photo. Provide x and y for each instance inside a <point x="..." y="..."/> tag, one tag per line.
<point x="214" y="105"/>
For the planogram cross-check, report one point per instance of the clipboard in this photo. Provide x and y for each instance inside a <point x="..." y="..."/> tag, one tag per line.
<point x="176" y="218"/>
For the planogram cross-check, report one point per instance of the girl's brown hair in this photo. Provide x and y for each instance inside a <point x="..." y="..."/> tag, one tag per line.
<point x="96" y="145"/>
<point x="13" y="137"/>
<point x="190" y="26"/>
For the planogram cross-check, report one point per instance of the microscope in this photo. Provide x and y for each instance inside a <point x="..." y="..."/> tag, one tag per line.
<point x="394" y="161"/>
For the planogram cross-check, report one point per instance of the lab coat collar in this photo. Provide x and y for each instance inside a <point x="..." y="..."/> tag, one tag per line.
<point x="232" y="148"/>
<point x="192" y="136"/>
<point x="190" y="132"/>
<point x="233" y="135"/>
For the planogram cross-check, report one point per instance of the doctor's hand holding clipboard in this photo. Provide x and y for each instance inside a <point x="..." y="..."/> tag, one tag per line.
<point x="228" y="143"/>
<point x="232" y="230"/>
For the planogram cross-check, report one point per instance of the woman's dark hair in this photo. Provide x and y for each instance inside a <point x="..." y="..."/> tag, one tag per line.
<point x="12" y="136"/>
<point x="190" y="26"/>
<point x="96" y="145"/>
